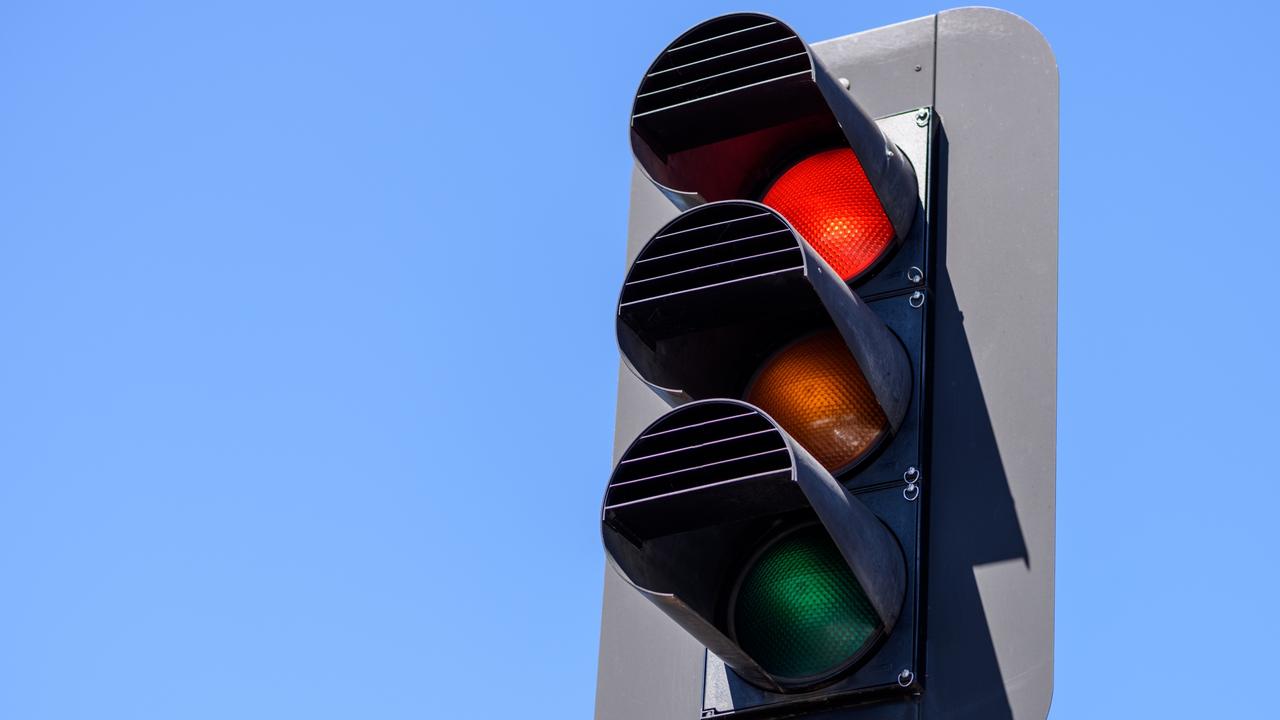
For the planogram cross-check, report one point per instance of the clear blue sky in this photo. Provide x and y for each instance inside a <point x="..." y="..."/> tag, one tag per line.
<point x="307" y="365"/>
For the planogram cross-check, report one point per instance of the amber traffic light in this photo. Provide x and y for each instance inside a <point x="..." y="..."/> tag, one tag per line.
<point x="814" y="388"/>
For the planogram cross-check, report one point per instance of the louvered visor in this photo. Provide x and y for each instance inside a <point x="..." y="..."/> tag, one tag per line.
<point x="703" y="464"/>
<point x="728" y="244"/>
<point x="711" y="295"/>
<point x="724" y="106"/>
<point x="717" y="58"/>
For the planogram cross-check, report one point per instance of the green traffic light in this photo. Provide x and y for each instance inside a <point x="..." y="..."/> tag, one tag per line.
<point x="799" y="611"/>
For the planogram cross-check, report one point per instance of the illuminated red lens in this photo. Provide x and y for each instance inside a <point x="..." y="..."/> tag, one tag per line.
<point x="830" y="202"/>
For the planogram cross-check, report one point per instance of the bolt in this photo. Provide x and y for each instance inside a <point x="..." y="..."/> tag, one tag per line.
<point x="918" y="68"/>
<point x="915" y="274"/>
<point x="916" y="299"/>
<point x="844" y="82"/>
<point x="906" y="677"/>
<point x="922" y="117"/>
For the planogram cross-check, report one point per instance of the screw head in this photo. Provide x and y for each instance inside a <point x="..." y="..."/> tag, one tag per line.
<point x="844" y="82"/>
<point x="916" y="299"/>
<point x="915" y="274"/>
<point x="912" y="475"/>
<point x="922" y="117"/>
<point x="906" y="677"/>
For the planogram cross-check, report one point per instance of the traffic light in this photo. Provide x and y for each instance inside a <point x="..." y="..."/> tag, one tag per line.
<point x="783" y="311"/>
<point x="739" y="107"/>
<point x="727" y="512"/>
<point x="738" y="533"/>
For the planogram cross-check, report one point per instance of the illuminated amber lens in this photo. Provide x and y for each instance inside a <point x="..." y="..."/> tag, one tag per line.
<point x="816" y="391"/>
<point x="829" y="201"/>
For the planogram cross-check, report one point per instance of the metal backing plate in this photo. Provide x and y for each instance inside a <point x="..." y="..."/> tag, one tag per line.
<point x="993" y="82"/>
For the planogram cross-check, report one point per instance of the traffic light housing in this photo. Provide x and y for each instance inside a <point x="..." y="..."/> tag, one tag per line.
<point x="734" y="101"/>
<point x="722" y="286"/>
<point x="776" y="511"/>
<point x="726" y="523"/>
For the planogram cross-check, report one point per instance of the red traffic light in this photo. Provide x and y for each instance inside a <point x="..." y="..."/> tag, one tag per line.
<point x="827" y="198"/>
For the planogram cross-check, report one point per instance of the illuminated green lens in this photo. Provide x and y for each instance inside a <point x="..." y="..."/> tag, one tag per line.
<point x="800" y="612"/>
